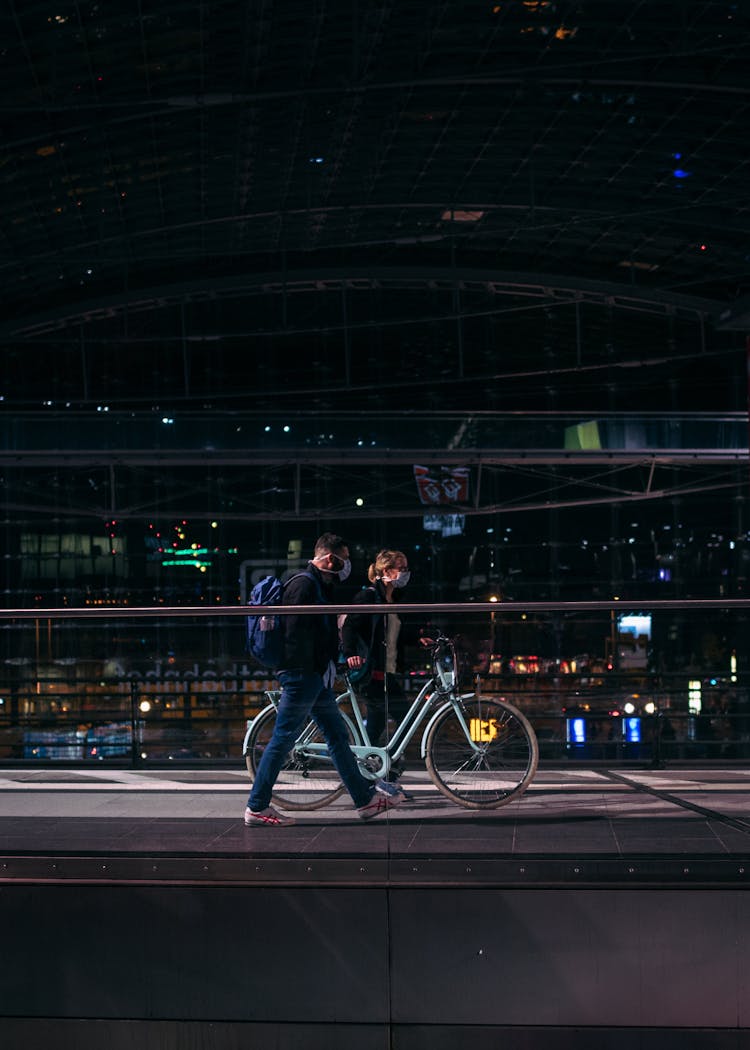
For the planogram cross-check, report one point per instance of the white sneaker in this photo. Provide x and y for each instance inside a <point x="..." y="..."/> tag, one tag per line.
<point x="269" y="816"/>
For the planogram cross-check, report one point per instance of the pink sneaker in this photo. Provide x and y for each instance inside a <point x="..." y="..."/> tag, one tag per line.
<point x="268" y="816"/>
<point x="386" y="796"/>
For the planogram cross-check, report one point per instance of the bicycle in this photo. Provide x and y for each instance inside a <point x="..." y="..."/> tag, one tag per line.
<point x="480" y="752"/>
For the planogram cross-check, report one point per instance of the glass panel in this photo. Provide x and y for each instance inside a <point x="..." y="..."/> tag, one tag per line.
<point x="598" y="683"/>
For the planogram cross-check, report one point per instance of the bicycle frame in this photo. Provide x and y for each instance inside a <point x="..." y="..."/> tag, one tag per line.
<point x="433" y="698"/>
<point x="478" y="751"/>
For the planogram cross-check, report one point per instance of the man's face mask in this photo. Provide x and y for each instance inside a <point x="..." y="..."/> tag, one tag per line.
<point x="344" y="571"/>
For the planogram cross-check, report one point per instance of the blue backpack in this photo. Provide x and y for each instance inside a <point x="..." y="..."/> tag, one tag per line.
<point x="265" y="637"/>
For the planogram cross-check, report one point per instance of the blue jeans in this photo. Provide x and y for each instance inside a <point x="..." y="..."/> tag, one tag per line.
<point x="303" y="695"/>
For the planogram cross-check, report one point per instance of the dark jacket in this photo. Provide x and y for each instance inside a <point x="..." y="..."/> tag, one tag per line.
<point x="310" y="642"/>
<point x="364" y="633"/>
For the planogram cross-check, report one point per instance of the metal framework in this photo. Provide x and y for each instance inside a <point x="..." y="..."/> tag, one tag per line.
<point x="318" y="207"/>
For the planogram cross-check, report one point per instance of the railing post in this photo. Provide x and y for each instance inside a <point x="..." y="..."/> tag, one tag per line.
<point x="134" y="723"/>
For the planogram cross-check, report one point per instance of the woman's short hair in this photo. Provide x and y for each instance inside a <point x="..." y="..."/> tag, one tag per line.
<point x="385" y="559"/>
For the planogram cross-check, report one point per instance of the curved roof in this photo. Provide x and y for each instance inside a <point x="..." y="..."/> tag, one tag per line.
<point x="441" y="157"/>
<point x="323" y="206"/>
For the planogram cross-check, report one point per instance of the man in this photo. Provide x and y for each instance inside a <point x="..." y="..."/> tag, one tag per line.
<point x="306" y="678"/>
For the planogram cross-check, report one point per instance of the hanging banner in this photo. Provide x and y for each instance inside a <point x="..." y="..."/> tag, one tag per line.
<point x="441" y="485"/>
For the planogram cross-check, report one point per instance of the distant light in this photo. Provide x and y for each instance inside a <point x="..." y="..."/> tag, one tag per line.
<point x="287" y="429"/>
<point x="167" y="419"/>
<point x="461" y="215"/>
<point x="144" y="706"/>
<point x="493" y="598"/>
<point x="650" y="707"/>
<point x="629" y="708"/>
<point x="359" y="501"/>
<point x="267" y="429"/>
<point x="578" y="730"/>
<point x="680" y="173"/>
<point x="214" y="524"/>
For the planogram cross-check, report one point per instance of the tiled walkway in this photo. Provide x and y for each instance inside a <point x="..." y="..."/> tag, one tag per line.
<point x="582" y="827"/>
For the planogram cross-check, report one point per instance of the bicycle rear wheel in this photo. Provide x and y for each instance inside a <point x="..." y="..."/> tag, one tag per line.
<point x="308" y="779"/>
<point x="482" y="753"/>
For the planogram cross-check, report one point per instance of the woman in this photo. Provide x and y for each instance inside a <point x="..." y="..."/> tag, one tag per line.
<point x="374" y="638"/>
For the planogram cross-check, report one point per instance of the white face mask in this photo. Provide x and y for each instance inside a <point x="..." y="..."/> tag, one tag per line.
<point x="401" y="579"/>
<point x="342" y="573"/>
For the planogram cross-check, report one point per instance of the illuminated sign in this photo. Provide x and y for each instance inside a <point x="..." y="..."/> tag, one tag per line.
<point x="482" y="731"/>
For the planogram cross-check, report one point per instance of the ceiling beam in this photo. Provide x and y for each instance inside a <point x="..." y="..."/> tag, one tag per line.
<point x="552" y="288"/>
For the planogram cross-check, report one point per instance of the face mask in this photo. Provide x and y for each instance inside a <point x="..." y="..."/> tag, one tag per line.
<point x="401" y="580"/>
<point x="343" y="572"/>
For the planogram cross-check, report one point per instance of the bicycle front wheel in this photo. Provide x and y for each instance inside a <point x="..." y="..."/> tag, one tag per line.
<point x="482" y="752"/>
<point x="308" y="778"/>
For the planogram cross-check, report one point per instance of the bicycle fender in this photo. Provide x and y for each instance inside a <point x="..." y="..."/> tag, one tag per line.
<point x="434" y="718"/>
<point x="428" y="727"/>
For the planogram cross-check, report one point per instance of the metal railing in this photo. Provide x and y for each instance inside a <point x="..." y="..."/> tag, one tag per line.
<point x="171" y="685"/>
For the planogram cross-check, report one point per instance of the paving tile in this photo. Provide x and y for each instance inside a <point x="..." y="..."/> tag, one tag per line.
<point x="658" y="814"/>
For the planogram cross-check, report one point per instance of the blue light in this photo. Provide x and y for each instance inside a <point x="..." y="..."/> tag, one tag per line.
<point x="577" y="730"/>
<point x="680" y="173"/>
<point x="632" y="727"/>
